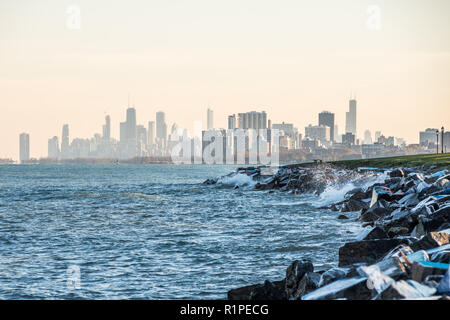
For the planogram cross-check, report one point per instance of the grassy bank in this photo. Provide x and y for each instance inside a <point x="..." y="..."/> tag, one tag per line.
<point x="425" y="160"/>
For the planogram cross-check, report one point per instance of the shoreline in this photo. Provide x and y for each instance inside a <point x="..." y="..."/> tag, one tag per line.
<point x="403" y="252"/>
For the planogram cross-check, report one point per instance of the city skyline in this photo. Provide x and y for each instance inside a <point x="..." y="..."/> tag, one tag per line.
<point x="313" y="56"/>
<point x="139" y="141"/>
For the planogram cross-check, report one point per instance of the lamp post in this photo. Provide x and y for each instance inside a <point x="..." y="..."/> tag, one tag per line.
<point x="442" y="139"/>
<point x="437" y="141"/>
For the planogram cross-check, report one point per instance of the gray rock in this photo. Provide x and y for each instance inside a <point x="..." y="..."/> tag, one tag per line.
<point x="349" y="288"/>
<point x="369" y="251"/>
<point x="332" y="275"/>
<point x="354" y="205"/>
<point x="398" y="231"/>
<point x="295" y="273"/>
<point x="431" y="240"/>
<point x="267" y="291"/>
<point x="409" y="289"/>
<point x="397" y="173"/>
<point x="376" y="233"/>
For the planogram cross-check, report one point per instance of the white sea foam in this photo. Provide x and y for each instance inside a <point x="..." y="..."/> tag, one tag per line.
<point x="239" y="179"/>
<point x="335" y="192"/>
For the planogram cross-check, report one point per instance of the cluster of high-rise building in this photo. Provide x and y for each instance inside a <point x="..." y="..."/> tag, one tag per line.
<point x="153" y="140"/>
<point x="135" y="140"/>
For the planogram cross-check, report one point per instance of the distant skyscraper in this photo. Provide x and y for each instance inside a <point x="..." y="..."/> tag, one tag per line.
<point x="151" y="133"/>
<point x="24" y="147"/>
<point x="367" y="137"/>
<point x="210" y="119"/>
<point x="131" y="123"/>
<point x="327" y="119"/>
<point x="65" y="142"/>
<point x="252" y="120"/>
<point x="53" y="148"/>
<point x="161" y="127"/>
<point x="123" y="132"/>
<point x="161" y="133"/>
<point x="321" y="133"/>
<point x="377" y="135"/>
<point x="428" y="136"/>
<point x="348" y="138"/>
<point x="350" y="118"/>
<point x="107" y="128"/>
<point x="232" y="122"/>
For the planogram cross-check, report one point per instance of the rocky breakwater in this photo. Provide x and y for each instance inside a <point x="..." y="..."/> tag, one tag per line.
<point x="402" y="253"/>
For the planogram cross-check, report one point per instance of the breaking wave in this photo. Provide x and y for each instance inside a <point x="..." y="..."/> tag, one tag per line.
<point x="335" y="192"/>
<point x="239" y="180"/>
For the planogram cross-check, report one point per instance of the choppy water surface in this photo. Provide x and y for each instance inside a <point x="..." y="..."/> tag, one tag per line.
<point x="153" y="232"/>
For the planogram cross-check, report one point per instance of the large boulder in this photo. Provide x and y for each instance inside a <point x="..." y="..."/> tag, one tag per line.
<point x="398" y="231"/>
<point x="332" y="275"/>
<point x="294" y="274"/>
<point x="435" y="221"/>
<point x="376" y="233"/>
<point x="431" y="240"/>
<point x="368" y="251"/>
<point x="242" y="293"/>
<point x="409" y="289"/>
<point x="397" y="173"/>
<point x="267" y="291"/>
<point x="377" y="211"/>
<point x="349" y="288"/>
<point x="307" y="284"/>
<point x="354" y="205"/>
<point x="257" y="291"/>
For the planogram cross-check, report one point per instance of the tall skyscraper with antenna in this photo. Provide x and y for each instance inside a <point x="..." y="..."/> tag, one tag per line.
<point x="350" y="118"/>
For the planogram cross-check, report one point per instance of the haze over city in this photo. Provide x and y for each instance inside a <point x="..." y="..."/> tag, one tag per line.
<point x="291" y="61"/>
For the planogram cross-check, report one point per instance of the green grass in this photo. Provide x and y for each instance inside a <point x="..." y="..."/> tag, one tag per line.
<point x="422" y="160"/>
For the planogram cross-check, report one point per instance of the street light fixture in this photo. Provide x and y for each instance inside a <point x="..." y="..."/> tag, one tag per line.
<point x="437" y="141"/>
<point x="442" y="139"/>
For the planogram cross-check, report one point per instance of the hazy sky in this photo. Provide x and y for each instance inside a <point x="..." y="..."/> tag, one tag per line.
<point x="291" y="58"/>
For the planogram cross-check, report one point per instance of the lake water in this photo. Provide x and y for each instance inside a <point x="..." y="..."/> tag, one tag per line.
<point x="151" y="232"/>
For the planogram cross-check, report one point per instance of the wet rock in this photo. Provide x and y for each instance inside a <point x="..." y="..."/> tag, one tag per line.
<point x="354" y="205"/>
<point x="376" y="233"/>
<point x="368" y="251"/>
<point x="210" y="181"/>
<point x="242" y="293"/>
<point x="350" y="288"/>
<point x="418" y="231"/>
<point x="270" y="289"/>
<point x="398" y="231"/>
<point x="444" y="285"/>
<point x="377" y="281"/>
<point x="294" y="274"/>
<point x="376" y="212"/>
<point x="308" y="283"/>
<point x="397" y="173"/>
<point x="342" y="217"/>
<point x="437" y="219"/>
<point x="420" y="270"/>
<point x="441" y="256"/>
<point x="359" y="195"/>
<point x="332" y="275"/>
<point x="409" y="289"/>
<point x="431" y="240"/>
<point x="267" y="291"/>
<point x="409" y="200"/>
